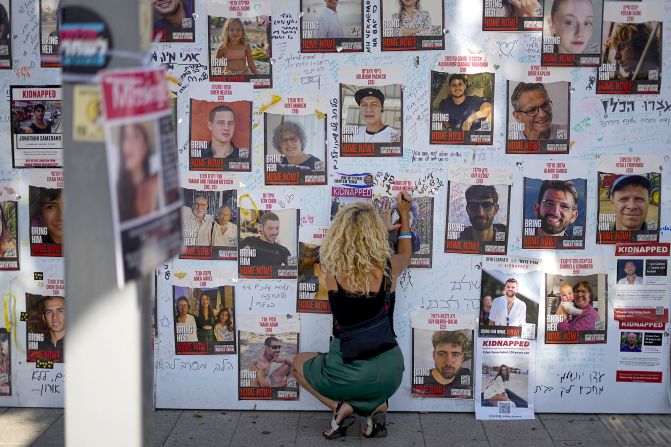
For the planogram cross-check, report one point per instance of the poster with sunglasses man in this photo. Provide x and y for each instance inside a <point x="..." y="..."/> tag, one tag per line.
<point x="478" y="203"/>
<point x="538" y="117"/>
<point x="267" y="347"/>
<point x="554" y="205"/>
<point x="516" y="285"/>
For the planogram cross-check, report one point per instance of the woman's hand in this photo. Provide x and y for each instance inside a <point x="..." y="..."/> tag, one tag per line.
<point x="385" y="214"/>
<point x="403" y="202"/>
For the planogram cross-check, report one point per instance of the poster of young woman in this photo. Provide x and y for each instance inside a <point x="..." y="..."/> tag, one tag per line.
<point x="142" y="168"/>
<point x="571" y="36"/>
<point x="505" y="379"/>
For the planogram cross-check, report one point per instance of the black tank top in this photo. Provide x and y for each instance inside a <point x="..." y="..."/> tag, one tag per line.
<point x="351" y="308"/>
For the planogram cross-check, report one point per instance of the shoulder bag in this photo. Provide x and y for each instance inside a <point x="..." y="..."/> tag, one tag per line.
<point x="371" y="337"/>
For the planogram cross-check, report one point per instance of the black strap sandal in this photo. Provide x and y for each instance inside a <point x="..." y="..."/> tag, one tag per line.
<point x="339" y="430"/>
<point x="376" y="425"/>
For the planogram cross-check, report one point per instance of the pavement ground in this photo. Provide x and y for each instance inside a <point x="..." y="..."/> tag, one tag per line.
<point x="42" y="427"/>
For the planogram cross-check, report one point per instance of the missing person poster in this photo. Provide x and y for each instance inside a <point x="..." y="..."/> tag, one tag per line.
<point x="142" y="168"/>
<point x="295" y="142"/>
<point x="6" y="17"/>
<point x="45" y="327"/>
<point x="50" y="19"/>
<point x="629" y="198"/>
<point x="478" y="204"/>
<point x="641" y="307"/>
<point x="510" y="293"/>
<point x="174" y="21"/>
<point x="220" y="127"/>
<point x="239" y="38"/>
<point x="571" y="35"/>
<point x="505" y="379"/>
<point x="555" y="205"/>
<point x="442" y="355"/>
<point x="512" y="15"/>
<point x="5" y="362"/>
<point x="209" y="224"/>
<point x="331" y="26"/>
<point x="313" y="296"/>
<point x="631" y="53"/>
<point x="204" y="317"/>
<point x="462" y="109"/>
<point x="576" y="301"/>
<point x="268" y="345"/>
<point x="421" y="219"/>
<point x="538" y="118"/>
<point x="45" y="203"/>
<point x="409" y="26"/>
<point x="268" y="243"/>
<point x="350" y="188"/>
<point x="37" y="136"/>
<point x="9" y="234"/>
<point x="371" y="111"/>
<point x="641" y="356"/>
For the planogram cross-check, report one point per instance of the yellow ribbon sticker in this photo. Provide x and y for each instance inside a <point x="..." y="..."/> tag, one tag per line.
<point x="245" y="211"/>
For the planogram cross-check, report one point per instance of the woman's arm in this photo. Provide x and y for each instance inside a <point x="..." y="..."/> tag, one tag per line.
<point x="250" y="59"/>
<point x="401" y="260"/>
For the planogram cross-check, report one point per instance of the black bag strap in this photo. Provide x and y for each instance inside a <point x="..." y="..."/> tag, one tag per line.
<point x="387" y="285"/>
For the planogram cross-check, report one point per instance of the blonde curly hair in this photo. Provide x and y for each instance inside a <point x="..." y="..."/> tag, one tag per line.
<point x="355" y="244"/>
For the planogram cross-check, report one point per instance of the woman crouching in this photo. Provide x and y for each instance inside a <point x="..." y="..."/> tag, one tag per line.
<point x="361" y="273"/>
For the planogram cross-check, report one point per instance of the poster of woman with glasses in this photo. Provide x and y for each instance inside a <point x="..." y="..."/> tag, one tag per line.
<point x="538" y="117"/>
<point x="576" y="301"/>
<point x="554" y="205"/>
<point x="478" y="201"/>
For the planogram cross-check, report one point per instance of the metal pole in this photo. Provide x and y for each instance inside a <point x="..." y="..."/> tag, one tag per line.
<point x="108" y="358"/>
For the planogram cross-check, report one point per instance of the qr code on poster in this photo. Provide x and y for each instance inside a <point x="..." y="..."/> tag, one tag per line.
<point x="504" y="407"/>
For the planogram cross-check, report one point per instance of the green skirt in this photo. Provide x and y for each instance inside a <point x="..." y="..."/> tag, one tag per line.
<point x="364" y="384"/>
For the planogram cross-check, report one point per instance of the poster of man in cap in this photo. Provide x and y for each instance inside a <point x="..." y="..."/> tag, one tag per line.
<point x="371" y="116"/>
<point x="629" y="199"/>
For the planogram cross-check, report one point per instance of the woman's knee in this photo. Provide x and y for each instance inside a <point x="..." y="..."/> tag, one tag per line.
<point x="299" y="360"/>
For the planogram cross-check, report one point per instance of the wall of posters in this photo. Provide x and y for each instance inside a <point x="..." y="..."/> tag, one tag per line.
<point x="365" y="81"/>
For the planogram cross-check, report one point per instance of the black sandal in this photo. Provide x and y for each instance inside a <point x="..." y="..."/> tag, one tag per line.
<point x="339" y="430"/>
<point x="376" y="425"/>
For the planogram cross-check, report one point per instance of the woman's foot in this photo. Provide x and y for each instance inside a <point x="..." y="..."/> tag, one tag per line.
<point x="376" y="425"/>
<point x="342" y="419"/>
